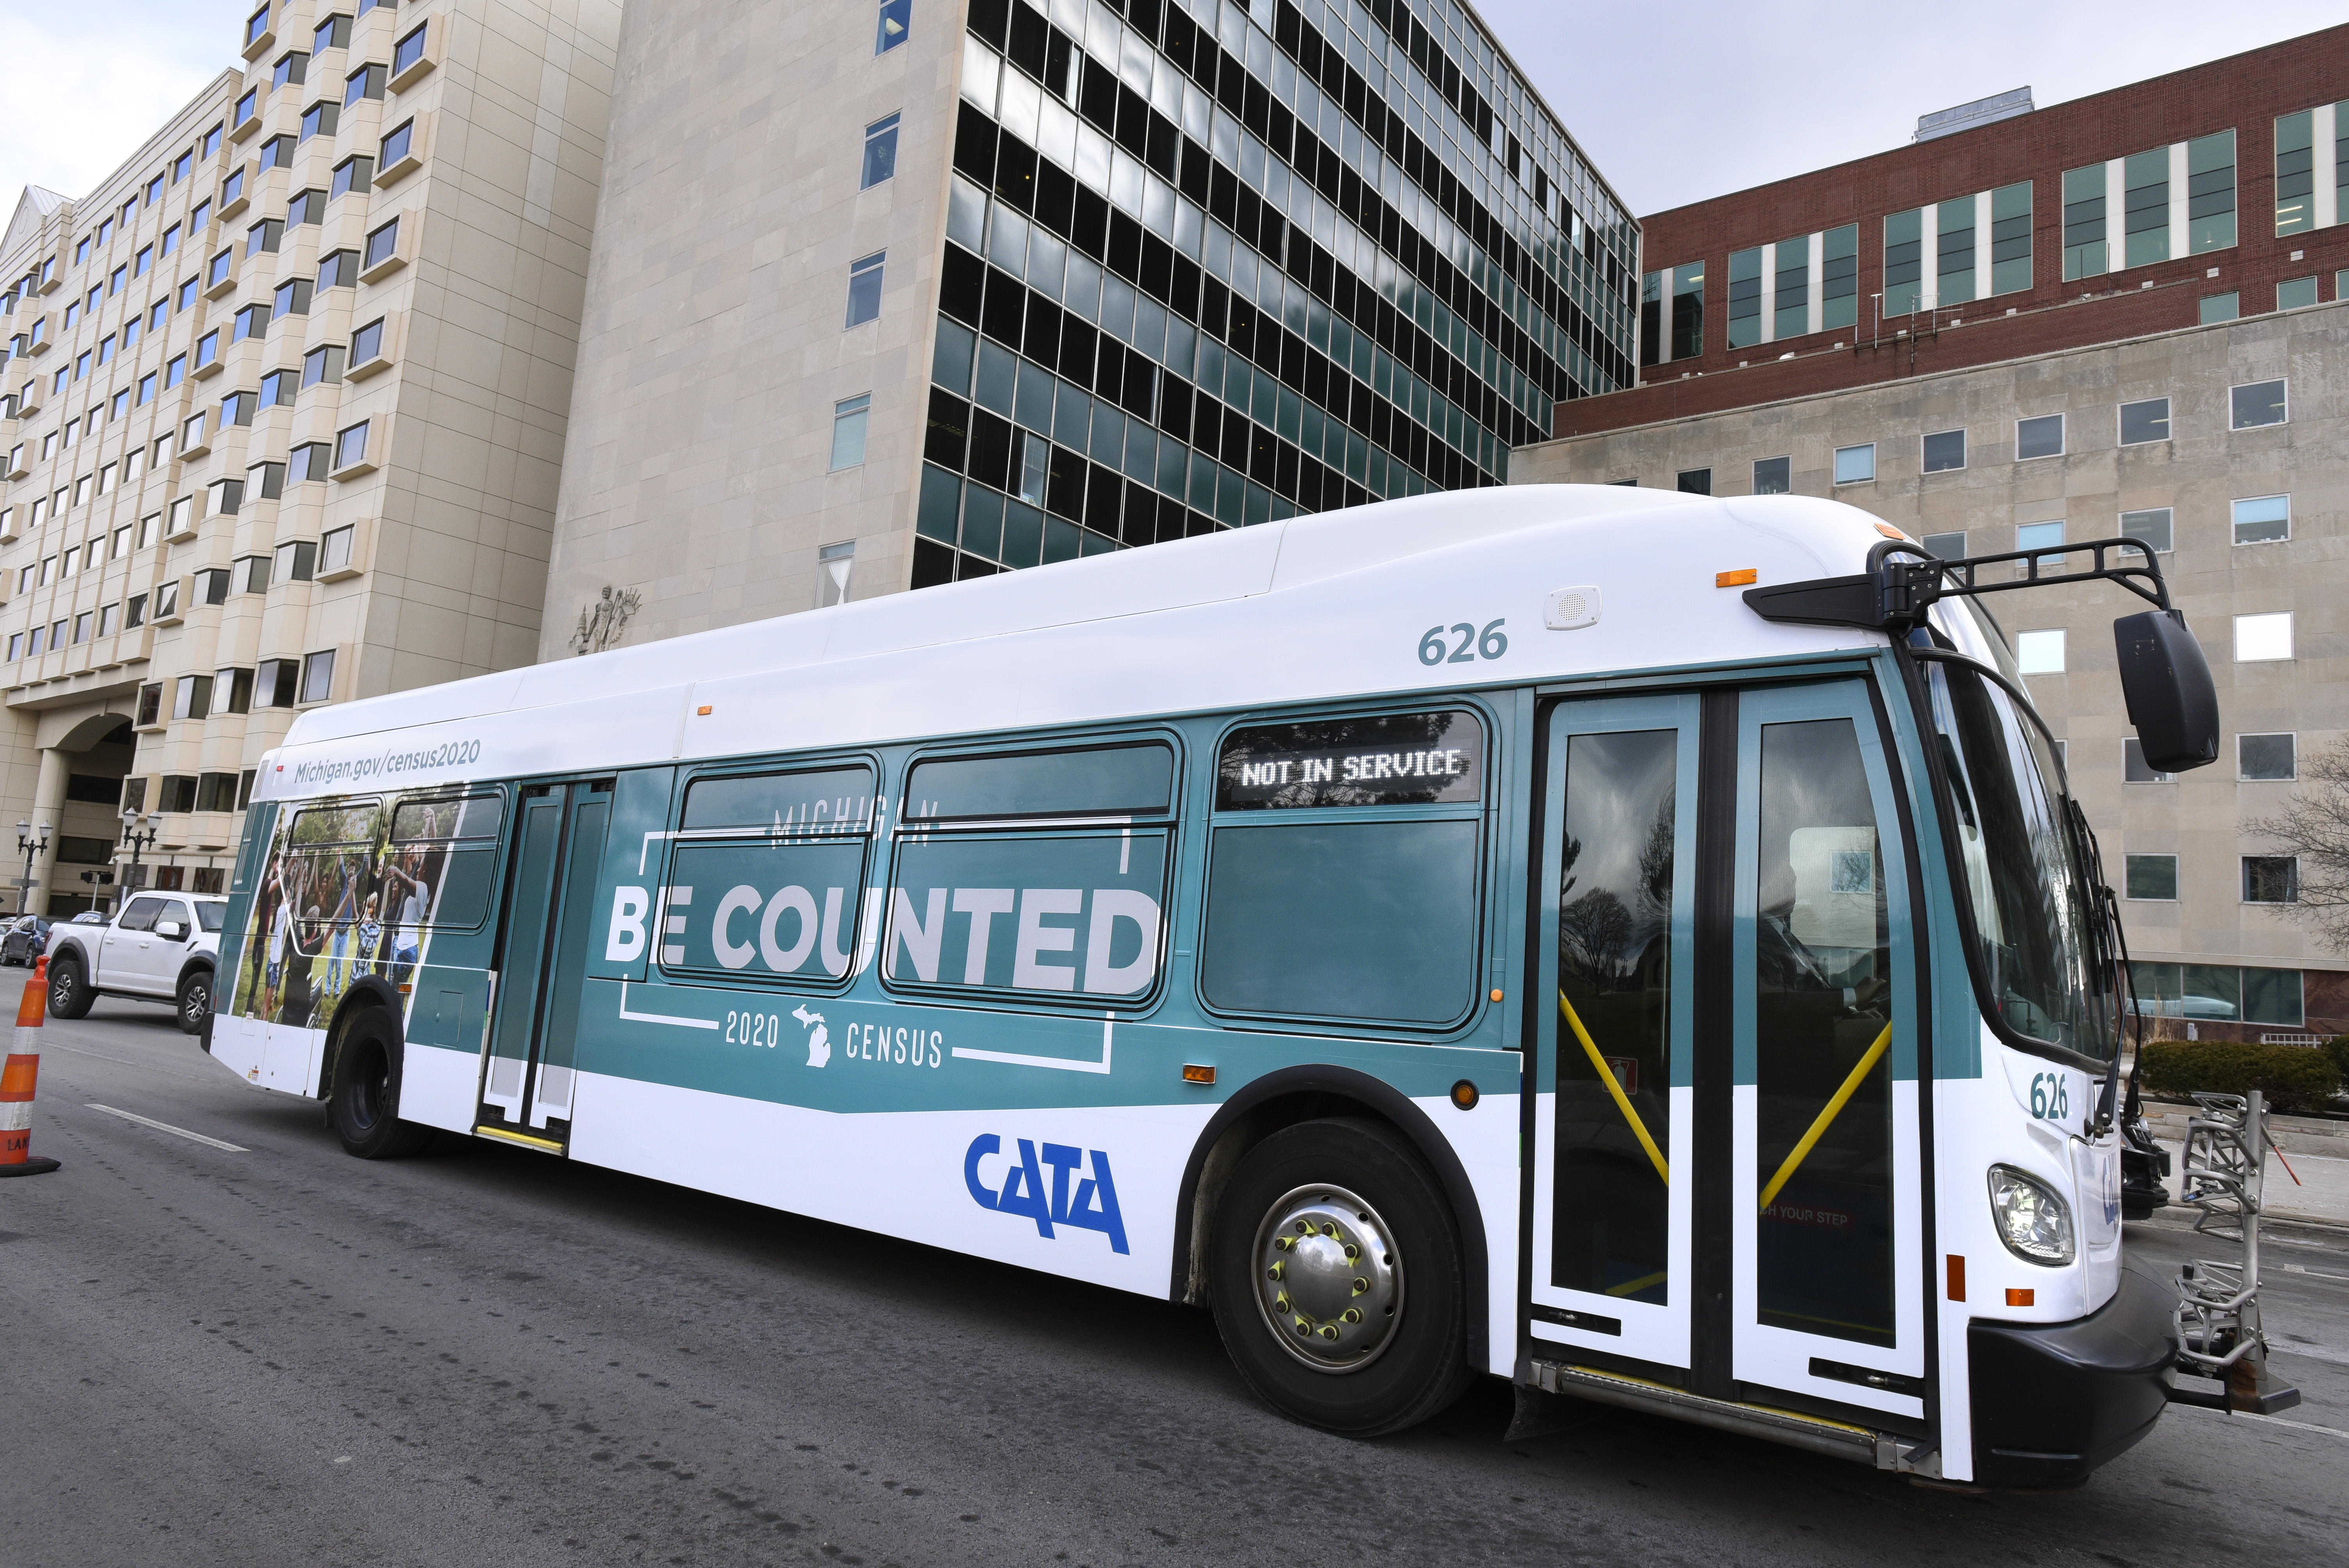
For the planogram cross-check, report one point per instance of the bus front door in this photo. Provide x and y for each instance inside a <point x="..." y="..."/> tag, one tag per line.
<point x="527" y="1066"/>
<point x="1728" y="1178"/>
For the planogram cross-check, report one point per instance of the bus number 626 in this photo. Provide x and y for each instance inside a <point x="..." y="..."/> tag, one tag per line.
<point x="1490" y="644"/>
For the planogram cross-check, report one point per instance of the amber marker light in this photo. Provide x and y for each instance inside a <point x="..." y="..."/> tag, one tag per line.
<point x="2020" y="1297"/>
<point x="1463" y="1095"/>
<point x="1889" y="531"/>
<point x="1742" y="577"/>
<point x="1193" y="1073"/>
<point x="702" y="712"/>
<point x="1497" y="993"/>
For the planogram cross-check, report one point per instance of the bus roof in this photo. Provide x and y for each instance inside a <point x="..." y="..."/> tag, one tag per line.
<point x="1334" y="605"/>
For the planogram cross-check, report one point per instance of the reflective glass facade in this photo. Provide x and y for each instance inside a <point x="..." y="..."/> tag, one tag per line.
<point x="1214" y="264"/>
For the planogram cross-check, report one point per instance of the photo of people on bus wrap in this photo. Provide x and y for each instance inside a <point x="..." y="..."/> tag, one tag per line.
<point x="354" y="889"/>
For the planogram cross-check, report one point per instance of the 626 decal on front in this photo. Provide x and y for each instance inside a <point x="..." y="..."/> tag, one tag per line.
<point x="1435" y="646"/>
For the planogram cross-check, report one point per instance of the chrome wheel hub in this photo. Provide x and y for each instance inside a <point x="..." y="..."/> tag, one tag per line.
<point x="1328" y="1279"/>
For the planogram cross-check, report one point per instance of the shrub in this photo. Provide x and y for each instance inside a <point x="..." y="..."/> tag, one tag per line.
<point x="2292" y="1078"/>
<point x="2337" y="1047"/>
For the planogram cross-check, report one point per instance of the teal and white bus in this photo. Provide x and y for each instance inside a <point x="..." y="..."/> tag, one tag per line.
<point x="1637" y="945"/>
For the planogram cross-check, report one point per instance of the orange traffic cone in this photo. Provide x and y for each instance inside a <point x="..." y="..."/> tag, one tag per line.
<point x="23" y="1065"/>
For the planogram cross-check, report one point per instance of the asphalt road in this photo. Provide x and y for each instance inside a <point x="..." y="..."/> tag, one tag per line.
<point x="481" y="1355"/>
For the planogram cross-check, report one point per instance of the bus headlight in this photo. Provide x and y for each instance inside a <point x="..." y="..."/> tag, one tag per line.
<point x="2034" y="1223"/>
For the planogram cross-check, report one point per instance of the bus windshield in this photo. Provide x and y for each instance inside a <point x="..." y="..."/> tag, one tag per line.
<point x="2030" y="896"/>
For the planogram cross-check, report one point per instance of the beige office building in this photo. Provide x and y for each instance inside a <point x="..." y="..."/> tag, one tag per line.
<point x="282" y="409"/>
<point x="2221" y="445"/>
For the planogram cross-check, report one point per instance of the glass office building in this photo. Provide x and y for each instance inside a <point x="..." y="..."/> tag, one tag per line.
<point x="1209" y="264"/>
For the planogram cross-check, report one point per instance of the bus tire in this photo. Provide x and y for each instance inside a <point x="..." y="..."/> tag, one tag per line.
<point x="69" y="992"/>
<point x="364" y="1108"/>
<point x="1336" y="1274"/>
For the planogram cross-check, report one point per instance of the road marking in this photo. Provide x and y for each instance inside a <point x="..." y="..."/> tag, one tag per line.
<point x="2275" y="1421"/>
<point x="2313" y="1274"/>
<point x="167" y="1126"/>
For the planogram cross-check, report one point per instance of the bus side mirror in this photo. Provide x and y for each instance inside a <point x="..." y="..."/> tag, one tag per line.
<point x="2166" y="683"/>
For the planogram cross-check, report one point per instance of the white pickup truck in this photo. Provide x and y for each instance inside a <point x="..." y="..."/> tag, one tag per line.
<point x="160" y="947"/>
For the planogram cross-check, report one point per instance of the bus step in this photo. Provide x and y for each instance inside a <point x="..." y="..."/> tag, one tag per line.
<point x="1881" y="1450"/>
<point x="543" y="1145"/>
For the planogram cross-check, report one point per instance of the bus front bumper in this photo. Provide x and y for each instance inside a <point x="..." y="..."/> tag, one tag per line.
<point x="2053" y="1401"/>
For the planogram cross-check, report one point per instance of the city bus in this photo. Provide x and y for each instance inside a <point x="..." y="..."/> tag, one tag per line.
<point x="1637" y="945"/>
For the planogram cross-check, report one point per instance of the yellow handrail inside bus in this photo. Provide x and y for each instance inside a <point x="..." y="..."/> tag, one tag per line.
<point x="1622" y="1103"/>
<point x="1827" y="1116"/>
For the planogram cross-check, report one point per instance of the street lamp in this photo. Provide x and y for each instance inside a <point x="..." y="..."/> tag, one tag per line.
<point x="135" y="841"/>
<point x="32" y="846"/>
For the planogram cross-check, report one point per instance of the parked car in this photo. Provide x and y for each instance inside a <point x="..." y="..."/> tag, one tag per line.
<point x="162" y="947"/>
<point x="27" y="938"/>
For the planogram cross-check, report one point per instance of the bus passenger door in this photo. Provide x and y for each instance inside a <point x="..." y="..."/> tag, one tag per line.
<point x="1726" y="1190"/>
<point x="1613" y="1132"/>
<point x="1825" y="1184"/>
<point x="527" y="1077"/>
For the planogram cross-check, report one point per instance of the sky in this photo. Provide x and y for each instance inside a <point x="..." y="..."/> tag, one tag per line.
<point x="1672" y="107"/>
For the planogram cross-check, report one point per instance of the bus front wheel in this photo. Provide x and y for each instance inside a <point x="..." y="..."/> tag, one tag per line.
<point x="1337" y="1278"/>
<point x="365" y="1104"/>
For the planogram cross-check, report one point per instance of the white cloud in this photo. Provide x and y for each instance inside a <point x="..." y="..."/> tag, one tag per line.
<point x="89" y="84"/>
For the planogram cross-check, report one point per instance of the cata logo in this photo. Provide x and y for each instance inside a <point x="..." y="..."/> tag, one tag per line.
<point x="1093" y="1206"/>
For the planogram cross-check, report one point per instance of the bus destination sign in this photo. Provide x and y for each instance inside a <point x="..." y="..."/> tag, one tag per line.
<point x="1385" y="760"/>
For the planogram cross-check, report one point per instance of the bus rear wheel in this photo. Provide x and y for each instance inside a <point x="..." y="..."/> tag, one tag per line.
<point x="365" y="1105"/>
<point x="1336" y="1272"/>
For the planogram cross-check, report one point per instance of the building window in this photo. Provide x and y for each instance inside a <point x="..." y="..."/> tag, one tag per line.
<point x="2041" y="536"/>
<point x="1904" y="262"/>
<point x="1947" y="546"/>
<point x="2210" y="194"/>
<point x="352" y="173"/>
<point x="277" y="153"/>
<point x="2270" y="879"/>
<point x="1694" y="481"/>
<point x="293" y="297"/>
<point x="2039" y="438"/>
<point x="362" y="84"/>
<point x="832" y="563"/>
<point x="1954" y="265"/>
<point x="1839" y="277"/>
<point x="351" y="445"/>
<point x="2151" y="877"/>
<point x="407" y="52"/>
<point x="292" y="67"/>
<point x="319" y="120"/>
<point x="191" y="697"/>
<point x="210" y="586"/>
<point x="1688" y="311"/>
<point x="334" y="33"/>
<point x="2220" y="307"/>
<point x="1790" y="297"/>
<point x="2259" y="639"/>
<point x="396" y="142"/>
<point x="295" y="561"/>
<point x="848" y="420"/>
<point x="2083" y="222"/>
<point x="366" y="343"/>
<point x="896" y="15"/>
<point x="338" y="270"/>
<point x="277" y="388"/>
<point x="865" y="288"/>
<point x="276" y="682"/>
<point x="2261" y="403"/>
<point x="232" y="693"/>
<point x="1945" y="451"/>
<point x="2136" y="768"/>
<point x="383" y="244"/>
<point x="1773" y="476"/>
<point x="318" y="677"/>
<point x="2145" y="184"/>
<point x="2040" y="653"/>
<point x="2151" y="525"/>
<point x="256" y="27"/>
<point x="264" y="237"/>
<point x="2267" y="758"/>
<point x="308" y="462"/>
<point x="1854" y="465"/>
<point x="1745" y="298"/>
<point x="323" y="366"/>
<point x="335" y="548"/>
<point x="2144" y="421"/>
<point x="880" y="152"/>
<point x="2293" y="293"/>
<point x="2263" y="519"/>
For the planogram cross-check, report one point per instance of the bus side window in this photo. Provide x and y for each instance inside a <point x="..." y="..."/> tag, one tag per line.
<point x="1342" y="869"/>
<point x="765" y="878"/>
<point x="1042" y="873"/>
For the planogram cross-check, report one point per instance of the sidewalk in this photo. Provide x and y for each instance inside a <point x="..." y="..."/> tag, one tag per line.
<point x="2318" y="1150"/>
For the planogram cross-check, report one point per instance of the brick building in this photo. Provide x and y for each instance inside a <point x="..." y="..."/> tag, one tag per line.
<point x="2193" y="197"/>
<point x="2116" y="317"/>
